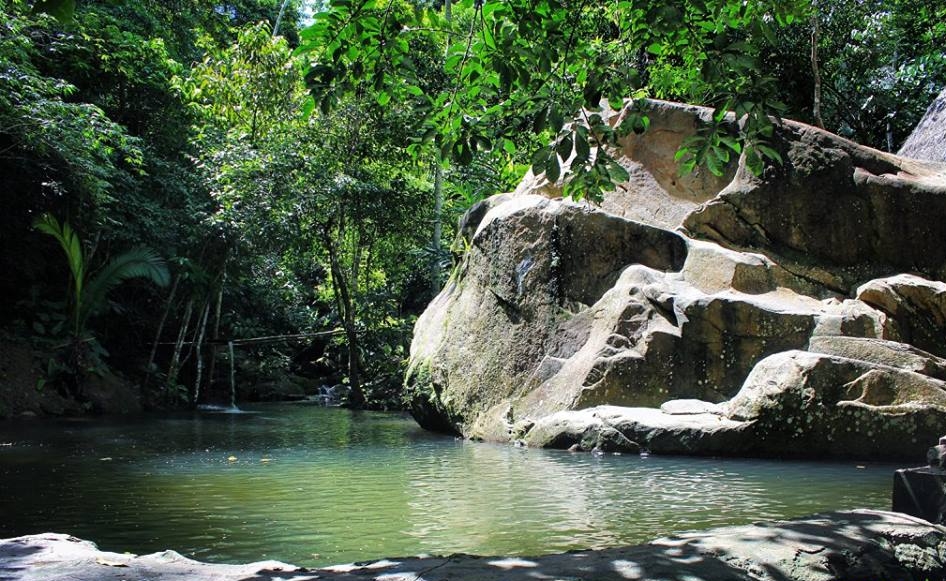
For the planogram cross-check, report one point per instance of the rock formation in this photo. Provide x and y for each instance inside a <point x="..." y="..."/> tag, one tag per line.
<point x="799" y="312"/>
<point x="928" y="140"/>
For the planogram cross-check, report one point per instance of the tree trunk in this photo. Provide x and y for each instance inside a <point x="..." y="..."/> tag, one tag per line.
<point x="438" y="187"/>
<point x="438" y="223"/>
<point x="816" y="73"/>
<point x="157" y="334"/>
<point x="346" y="312"/>
<point x="282" y="11"/>
<point x="179" y="345"/>
<point x="200" y="358"/>
<point x="215" y="347"/>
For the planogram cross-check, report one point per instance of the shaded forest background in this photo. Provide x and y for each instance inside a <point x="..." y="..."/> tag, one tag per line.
<point x="285" y="202"/>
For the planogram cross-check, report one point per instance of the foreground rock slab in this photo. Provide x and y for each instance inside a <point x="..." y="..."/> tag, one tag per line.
<point x="853" y="545"/>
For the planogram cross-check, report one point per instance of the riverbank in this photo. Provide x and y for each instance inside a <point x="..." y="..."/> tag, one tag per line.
<point x="861" y="544"/>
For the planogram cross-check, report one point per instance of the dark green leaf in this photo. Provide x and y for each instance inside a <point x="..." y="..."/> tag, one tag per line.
<point x="564" y="147"/>
<point x="552" y="168"/>
<point x="539" y="159"/>
<point x="617" y="173"/>
<point x="582" y="149"/>
<point x="539" y="121"/>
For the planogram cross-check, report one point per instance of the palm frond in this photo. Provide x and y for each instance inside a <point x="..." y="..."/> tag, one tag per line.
<point x="71" y="245"/>
<point x="139" y="262"/>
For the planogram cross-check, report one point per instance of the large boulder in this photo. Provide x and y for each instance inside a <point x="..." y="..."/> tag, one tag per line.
<point x="557" y="306"/>
<point x="509" y="305"/>
<point x="561" y="314"/>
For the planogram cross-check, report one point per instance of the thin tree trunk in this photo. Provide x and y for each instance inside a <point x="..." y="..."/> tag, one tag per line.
<point x="282" y="10"/>
<point x="438" y="186"/>
<point x="157" y="334"/>
<point x="215" y="348"/>
<point x="343" y="302"/>
<point x="179" y="344"/>
<point x="200" y="359"/>
<point x="367" y="269"/>
<point x="192" y="344"/>
<point x="892" y="114"/>
<point x="438" y="223"/>
<point x="815" y="39"/>
<point x="356" y="263"/>
<point x="232" y="375"/>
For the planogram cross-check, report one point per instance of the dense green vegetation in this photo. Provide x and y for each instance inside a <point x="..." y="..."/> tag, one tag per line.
<point x="307" y="180"/>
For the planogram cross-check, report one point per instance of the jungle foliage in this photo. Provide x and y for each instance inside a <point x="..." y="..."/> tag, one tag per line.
<point x="548" y="67"/>
<point x="290" y="181"/>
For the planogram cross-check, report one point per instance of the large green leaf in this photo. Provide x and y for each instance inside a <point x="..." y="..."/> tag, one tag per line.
<point x="139" y="262"/>
<point x="71" y="245"/>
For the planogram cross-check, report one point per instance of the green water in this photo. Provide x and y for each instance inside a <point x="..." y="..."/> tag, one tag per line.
<point x="340" y="487"/>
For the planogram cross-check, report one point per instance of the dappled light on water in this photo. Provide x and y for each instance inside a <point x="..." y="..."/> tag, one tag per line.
<point x="312" y="486"/>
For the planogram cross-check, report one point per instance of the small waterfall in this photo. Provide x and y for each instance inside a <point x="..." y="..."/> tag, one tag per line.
<point x="233" y="404"/>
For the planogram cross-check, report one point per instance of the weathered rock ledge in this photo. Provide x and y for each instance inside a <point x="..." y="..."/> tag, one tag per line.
<point x="857" y="545"/>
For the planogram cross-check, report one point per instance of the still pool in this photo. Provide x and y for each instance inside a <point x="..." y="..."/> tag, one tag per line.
<point x="311" y="485"/>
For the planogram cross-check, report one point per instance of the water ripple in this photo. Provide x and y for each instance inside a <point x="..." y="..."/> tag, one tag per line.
<point x="315" y="486"/>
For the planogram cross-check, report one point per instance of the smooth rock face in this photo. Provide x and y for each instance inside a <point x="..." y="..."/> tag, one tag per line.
<point x="559" y="311"/>
<point x="656" y="193"/>
<point x="857" y="545"/>
<point x="838" y="212"/>
<point x="928" y="140"/>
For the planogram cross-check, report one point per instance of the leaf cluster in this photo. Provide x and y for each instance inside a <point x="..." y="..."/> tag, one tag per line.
<point x="548" y="67"/>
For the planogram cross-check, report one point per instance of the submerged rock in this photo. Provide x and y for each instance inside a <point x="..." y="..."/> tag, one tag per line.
<point x="678" y="288"/>
<point x="860" y="544"/>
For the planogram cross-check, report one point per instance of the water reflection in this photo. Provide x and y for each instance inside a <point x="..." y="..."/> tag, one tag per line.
<point x="314" y="486"/>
